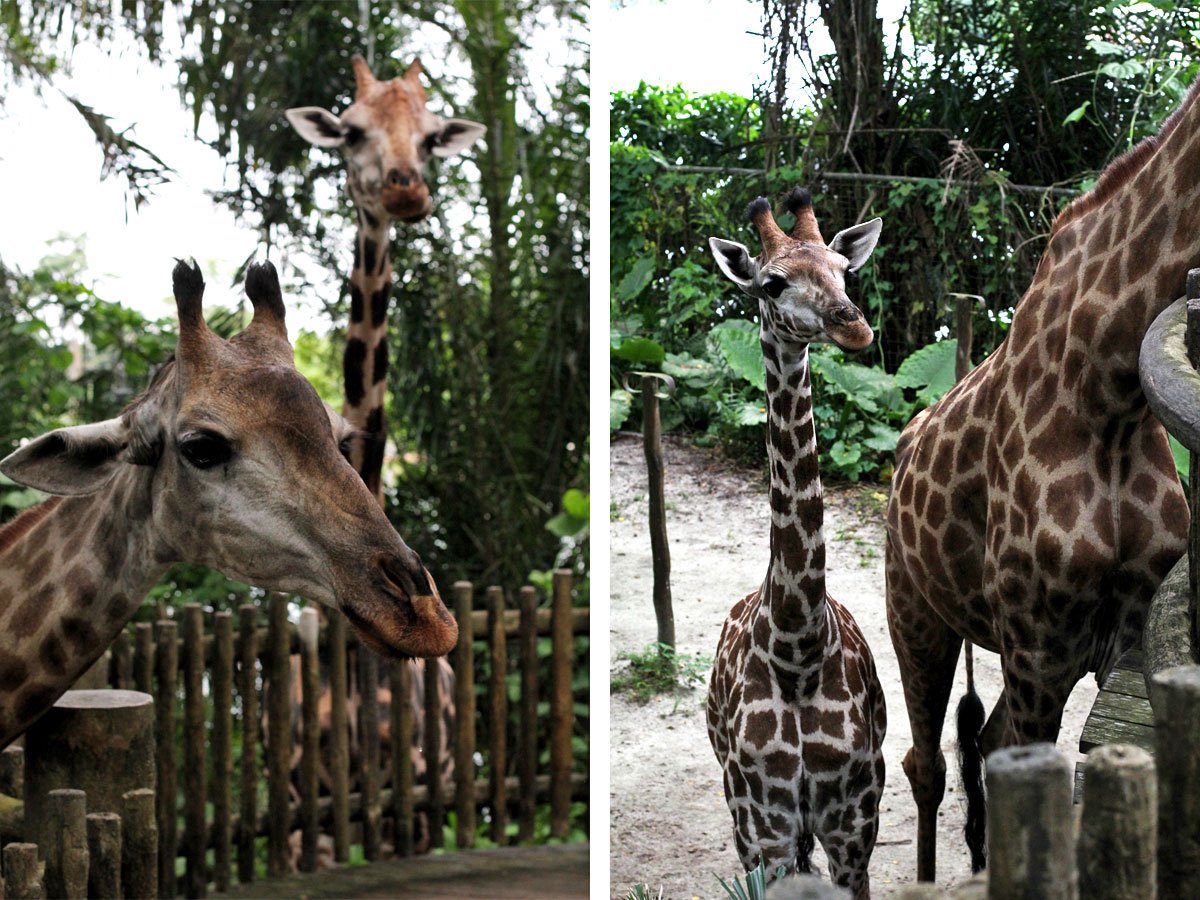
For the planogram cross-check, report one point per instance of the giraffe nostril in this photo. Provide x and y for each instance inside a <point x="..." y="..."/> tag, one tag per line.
<point x="847" y="314"/>
<point x="402" y="177"/>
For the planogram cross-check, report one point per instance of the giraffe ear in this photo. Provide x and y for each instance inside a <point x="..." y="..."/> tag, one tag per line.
<point x="857" y="242"/>
<point x="76" y="460"/>
<point x="456" y="136"/>
<point x="317" y="126"/>
<point x="734" y="260"/>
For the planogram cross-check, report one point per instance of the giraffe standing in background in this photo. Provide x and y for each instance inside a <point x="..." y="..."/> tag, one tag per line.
<point x="229" y="460"/>
<point x="1036" y="507"/>
<point x="386" y="136"/>
<point x="795" y="710"/>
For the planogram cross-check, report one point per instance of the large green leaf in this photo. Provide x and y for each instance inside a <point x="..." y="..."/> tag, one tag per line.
<point x="738" y="342"/>
<point x="640" y="350"/>
<point x="620" y="402"/>
<point x="636" y="279"/>
<point x="686" y="368"/>
<point x="930" y="370"/>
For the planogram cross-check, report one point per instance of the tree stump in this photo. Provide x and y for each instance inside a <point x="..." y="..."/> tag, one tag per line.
<point x="99" y="742"/>
<point x="1118" y="835"/>
<point x="1176" y="730"/>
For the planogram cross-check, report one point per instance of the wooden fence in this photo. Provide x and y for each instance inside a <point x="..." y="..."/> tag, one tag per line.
<point x="214" y="671"/>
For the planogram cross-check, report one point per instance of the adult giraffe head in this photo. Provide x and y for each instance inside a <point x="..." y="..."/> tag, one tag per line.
<point x="235" y="463"/>
<point x="387" y="134"/>
<point x="799" y="280"/>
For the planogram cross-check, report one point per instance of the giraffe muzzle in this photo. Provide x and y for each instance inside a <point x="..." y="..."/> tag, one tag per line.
<point x="406" y="617"/>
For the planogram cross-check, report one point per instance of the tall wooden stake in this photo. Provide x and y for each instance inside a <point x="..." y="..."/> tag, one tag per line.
<point x="659" y="550"/>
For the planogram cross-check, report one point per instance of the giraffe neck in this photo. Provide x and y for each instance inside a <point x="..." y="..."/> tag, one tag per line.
<point x="1115" y="260"/>
<point x="366" y="359"/>
<point x="74" y="572"/>
<point x="795" y="584"/>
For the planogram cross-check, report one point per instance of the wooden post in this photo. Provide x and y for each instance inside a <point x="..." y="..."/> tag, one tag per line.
<point x="1118" y="825"/>
<point x="498" y="713"/>
<point x="433" y="754"/>
<point x="464" y="701"/>
<point x="167" y="671"/>
<point x="12" y="771"/>
<point x="1192" y="343"/>
<point x="279" y="737"/>
<point x="400" y="674"/>
<point x="143" y="657"/>
<point x="22" y="874"/>
<point x="660" y="551"/>
<point x="310" y="683"/>
<point x="195" y="739"/>
<point x="1176" y="736"/>
<point x="104" y="854"/>
<point x="562" y="714"/>
<point x="527" y="746"/>
<point x="66" y="852"/>
<point x="122" y="662"/>
<point x="222" y="747"/>
<point x="1030" y="848"/>
<point x="368" y="675"/>
<point x="339" y="736"/>
<point x="248" y="776"/>
<point x="139" y="845"/>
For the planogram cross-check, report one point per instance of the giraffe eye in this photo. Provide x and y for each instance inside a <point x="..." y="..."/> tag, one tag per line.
<point x="774" y="287"/>
<point x="205" y="449"/>
<point x="344" y="448"/>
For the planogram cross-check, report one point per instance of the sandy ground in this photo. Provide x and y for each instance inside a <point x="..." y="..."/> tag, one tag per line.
<point x="670" y="826"/>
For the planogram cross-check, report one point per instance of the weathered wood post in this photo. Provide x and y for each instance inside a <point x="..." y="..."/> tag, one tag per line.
<point x="372" y="811"/>
<point x="1118" y="842"/>
<point x="1030" y="848"/>
<point x="195" y="741"/>
<point x="22" y="874"/>
<point x="310" y="785"/>
<point x="99" y="742"/>
<point x="464" y="701"/>
<point x="400" y="678"/>
<point x="104" y="854"/>
<point x="339" y="736"/>
<point x="433" y="749"/>
<point x="222" y="747"/>
<point x="12" y="772"/>
<point x="247" y="652"/>
<point x="562" y="712"/>
<point x="279" y="737"/>
<point x="1192" y="343"/>
<point x="66" y="849"/>
<point x="660" y="550"/>
<point x="1176" y="737"/>
<point x="498" y="713"/>
<point x="139" y="845"/>
<point x="166" y="665"/>
<point x="527" y="746"/>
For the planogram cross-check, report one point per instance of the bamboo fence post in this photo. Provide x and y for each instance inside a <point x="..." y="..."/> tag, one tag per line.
<point x="310" y="681"/>
<point x="104" y="854"/>
<point x="143" y="657"/>
<point x="122" y="662"/>
<point x="248" y="775"/>
<point x="167" y="665"/>
<point x="527" y="746"/>
<point x="498" y="713"/>
<point x="339" y="737"/>
<point x="400" y="678"/>
<point x="1176" y="736"/>
<point x="561" y="704"/>
<point x="67" y="854"/>
<point x="464" y="702"/>
<point x="222" y="741"/>
<point x="368" y="669"/>
<point x="1031" y="850"/>
<point x="22" y="874"/>
<point x="433" y="750"/>
<point x="139" y="845"/>
<point x="195" y="832"/>
<point x="279" y="737"/>
<point x="660" y="550"/>
<point x="1118" y="826"/>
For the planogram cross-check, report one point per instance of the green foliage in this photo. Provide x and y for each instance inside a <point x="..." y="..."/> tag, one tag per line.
<point x="659" y="670"/>
<point x="755" y="887"/>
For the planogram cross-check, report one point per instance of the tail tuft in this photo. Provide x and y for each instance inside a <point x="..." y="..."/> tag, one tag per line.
<point x="970" y="720"/>
<point x="804" y="853"/>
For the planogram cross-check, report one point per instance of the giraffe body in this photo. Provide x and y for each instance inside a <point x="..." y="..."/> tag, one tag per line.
<point x="1036" y="507"/>
<point x="796" y="713"/>
<point x="229" y="459"/>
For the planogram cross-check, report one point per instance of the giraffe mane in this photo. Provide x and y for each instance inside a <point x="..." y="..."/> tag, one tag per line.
<point x="1117" y="173"/>
<point x="13" y="531"/>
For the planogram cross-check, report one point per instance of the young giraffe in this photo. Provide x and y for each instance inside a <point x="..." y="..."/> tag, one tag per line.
<point x="387" y="136"/>
<point x="795" y="710"/>
<point x="1036" y="508"/>
<point x="230" y="460"/>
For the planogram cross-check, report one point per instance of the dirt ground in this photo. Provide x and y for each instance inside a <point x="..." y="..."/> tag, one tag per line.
<point x="670" y="826"/>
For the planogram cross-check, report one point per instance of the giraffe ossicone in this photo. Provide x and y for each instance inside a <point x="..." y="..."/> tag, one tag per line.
<point x="796" y="712"/>
<point x="229" y="459"/>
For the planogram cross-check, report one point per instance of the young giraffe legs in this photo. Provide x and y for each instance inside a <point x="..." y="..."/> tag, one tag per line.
<point x="927" y="651"/>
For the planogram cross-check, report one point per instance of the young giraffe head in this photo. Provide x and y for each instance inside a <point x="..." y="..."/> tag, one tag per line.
<point x="387" y="134"/>
<point x="800" y="281"/>
<point x="245" y="474"/>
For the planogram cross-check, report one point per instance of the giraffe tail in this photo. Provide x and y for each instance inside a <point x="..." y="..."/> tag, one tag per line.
<point x="970" y="720"/>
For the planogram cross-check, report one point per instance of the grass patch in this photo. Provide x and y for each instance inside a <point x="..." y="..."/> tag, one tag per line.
<point x="659" y="670"/>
